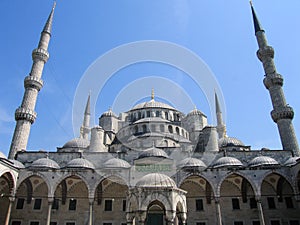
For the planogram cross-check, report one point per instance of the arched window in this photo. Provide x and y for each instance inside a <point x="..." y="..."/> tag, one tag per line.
<point x="144" y="128"/>
<point x="157" y="113"/>
<point x="139" y="115"/>
<point x="170" y="128"/>
<point x="162" y="128"/>
<point x="177" y="130"/>
<point x="148" y="113"/>
<point x="166" y="116"/>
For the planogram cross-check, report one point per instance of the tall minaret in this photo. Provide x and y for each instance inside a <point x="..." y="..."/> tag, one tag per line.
<point x="85" y="128"/>
<point x="25" y="114"/>
<point x="221" y="128"/>
<point x="282" y="114"/>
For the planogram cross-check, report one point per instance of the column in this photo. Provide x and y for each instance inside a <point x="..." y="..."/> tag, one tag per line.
<point x="11" y="201"/>
<point x="260" y="211"/>
<point x="91" y="203"/>
<point x="218" y="211"/>
<point x="50" y="202"/>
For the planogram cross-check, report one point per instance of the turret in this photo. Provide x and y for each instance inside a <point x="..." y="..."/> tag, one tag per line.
<point x="97" y="140"/>
<point x="85" y="128"/>
<point x="221" y="128"/>
<point x="282" y="114"/>
<point x="25" y="114"/>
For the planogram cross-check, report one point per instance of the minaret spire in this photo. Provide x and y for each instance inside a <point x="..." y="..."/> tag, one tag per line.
<point x="152" y="94"/>
<point x="25" y="114"/>
<point x="282" y="114"/>
<point x="221" y="128"/>
<point x="85" y="128"/>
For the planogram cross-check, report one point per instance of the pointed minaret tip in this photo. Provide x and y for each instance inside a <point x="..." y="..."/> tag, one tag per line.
<point x="218" y="108"/>
<point x="48" y="25"/>
<point x="257" y="26"/>
<point x="88" y="106"/>
<point x="152" y="94"/>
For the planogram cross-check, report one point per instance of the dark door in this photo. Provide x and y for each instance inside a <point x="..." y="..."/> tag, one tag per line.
<point x="155" y="219"/>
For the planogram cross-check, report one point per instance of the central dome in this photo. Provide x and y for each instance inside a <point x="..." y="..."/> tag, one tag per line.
<point x="152" y="104"/>
<point x="156" y="180"/>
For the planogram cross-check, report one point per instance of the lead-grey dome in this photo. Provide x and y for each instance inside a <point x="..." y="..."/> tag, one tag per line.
<point x="195" y="112"/>
<point x="44" y="163"/>
<point x="227" y="161"/>
<point x="17" y="164"/>
<point x="292" y="161"/>
<point x="153" y="152"/>
<point x="156" y="180"/>
<point x="152" y="104"/>
<point x="116" y="163"/>
<point x="80" y="163"/>
<point x="109" y="113"/>
<point x="262" y="161"/>
<point x="230" y="141"/>
<point x="191" y="162"/>
<point x="77" y="143"/>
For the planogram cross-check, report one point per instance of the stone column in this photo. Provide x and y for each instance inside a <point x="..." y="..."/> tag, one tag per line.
<point x="142" y="218"/>
<point x="218" y="211"/>
<point x="11" y="201"/>
<point x="91" y="204"/>
<point x="260" y="211"/>
<point x="50" y="202"/>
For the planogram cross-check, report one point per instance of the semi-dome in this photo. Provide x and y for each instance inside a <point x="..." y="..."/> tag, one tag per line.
<point x="262" y="161"/>
<point x="44" y="163"/>
<point x="292" y="161"/>
<point x="80" y="163"/>
<point x="77" y="143"/>
<point x="116" y="163"/>
<point x="152" y="104"/>
<point x="2" y="156"/>
<point x="153" y="152"/>
<point x="17" y="164"/>
<point x="230" y="141"/>
<point x="227" y="161"/>
<point x="191" y="162"/>
<point x="156" y="180"/>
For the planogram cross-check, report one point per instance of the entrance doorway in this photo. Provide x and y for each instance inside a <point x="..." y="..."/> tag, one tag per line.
<point x="155" y="214"/>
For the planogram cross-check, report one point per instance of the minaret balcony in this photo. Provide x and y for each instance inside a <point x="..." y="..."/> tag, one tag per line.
<point x="25" y="114"/>
<point x="40" y="54"/>
<point x="285" y="112"/>
<point x="33" y="82"/>
<point x="265" y="53"/>
<point x="274" y="79"/>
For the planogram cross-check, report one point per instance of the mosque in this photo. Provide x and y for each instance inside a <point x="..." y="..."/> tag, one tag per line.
<point x="151" y="165"/>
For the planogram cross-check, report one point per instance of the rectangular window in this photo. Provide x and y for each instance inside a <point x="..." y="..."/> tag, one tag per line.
<point x="34" y="223"/>
<point x="238" y="223"/>
<point x="275" y="222"/>
<point x="294" y="222"/>
<point x="70" y="223"/>
<point x="199" y="205"/>
<point x="253" y="203"/>
<point x="124" y="206"/>
<point x="289" y="202"/>
<point x="55" y="204"/>
<point x="108" y="205"/>
<point x="20" y="203"/>
<point x="200" y="223"/>
<point x="235" y="203"/>
<point x="72" y="204"/>
<point x="16" y="223"/>
<point x="123" y="223"/>
<point x="53" y="223"/>
<point x="271" y="203"/>
<point x="107" y="223"/>
<point x="37" y="204"/>
<point x="256" y="222"/>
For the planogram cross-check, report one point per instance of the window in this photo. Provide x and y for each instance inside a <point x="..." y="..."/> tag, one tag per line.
<point x="253" y="203"/>
<point x="294" y="222"/>
<point x="16" y="223"/>
<point x="238" y="223"/>
<point x="177" y="130"/>
<point x="53" y="223"/>
<point x="37" y="204"/>
<point x="72" y="204"/>
<point x="200" y="223"/>
<point x="157" y="113"/>
<point x="70" y="223"/>
<point x="289" y="202"/>
<point x="170" y="129"/>
<point x="124" y="206"/>
<point x="55" y="204"/>
<point x="255" y="222"/>
<point x="275" y="222"/>
<point x="144" y="128"/>
<point x="271" y="203"/>
<point x="199" y="205"/>
<point x="34" y="223"/>
<point x="235" y="203"/>
<point x="107" y="223"/>
<point x="108" y="205"/>
<point x="20" y="203"/>
<point x="148" y="113"/>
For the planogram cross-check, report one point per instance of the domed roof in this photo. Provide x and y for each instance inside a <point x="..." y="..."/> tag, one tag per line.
<point x="153" y="152"/>
<point x="80" y="163"/>
<point x="2" y="155"/>
<point x="77" y="143"/>
<point x="156" y="180"/>
<point x="108" y="113"/>
<point x="150" y="119"/>
<point x="195" y="111"/>
<point x="44" y="163"/>
<point x="227" y="161"/>
<point x="191" y="162"/>
<point x="17" y="164"/>
<point x="230" y="141"/>
<point x="152" y="104"/>
<point x="116" y="163"/>
<point x="262" y="161"/>
<point x="292" y="161"/>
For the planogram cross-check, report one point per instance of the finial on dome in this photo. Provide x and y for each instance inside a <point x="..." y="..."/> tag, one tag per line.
<point x="152" y="94"/>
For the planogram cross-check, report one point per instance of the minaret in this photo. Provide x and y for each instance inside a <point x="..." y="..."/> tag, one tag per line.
<point x="282" y="114"/>
<point x="221" y="128"/>
<point x="85" y="128"/>
<point x="25" y="114"/>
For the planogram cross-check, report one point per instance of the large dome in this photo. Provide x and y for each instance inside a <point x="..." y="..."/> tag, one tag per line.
<point x="77" y="143"/>
<point x="80" y="163"/>
<point x="152" y="104"/>
<point x="227" y="161"/>
<point x="116" y="163"/>
<point x="262" y="161"/>
<point x="191" y="162"/>
<point x="44" y="163"/>
<point x="230" y="141"/>
<point x="153" y="152"/>
<point x="156" y="180"/>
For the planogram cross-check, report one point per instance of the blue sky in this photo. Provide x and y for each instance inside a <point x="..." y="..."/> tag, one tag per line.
<point x="219" y="32"/>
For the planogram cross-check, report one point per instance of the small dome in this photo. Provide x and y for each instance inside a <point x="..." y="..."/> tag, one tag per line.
<point x="191" y="162"/>
<point x="156" y="180"/>
<point x="292" y="161"/>
<point x="17" y="164"/>
<point x="77" y="143"/>
<point x="227" y="161"/>
<point x="153" y="152"/>
<point x="195" y="112"/>
<point x="109" y="113"/>
<point x="2" y="156"/>
<point x="230" y="141"/>
<point x="263" y="161"/>
<point x="116" y="163"/>
<point x="80" y="163"/>
<point x="152" y="104"/>
<point x="44" y="163"/>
